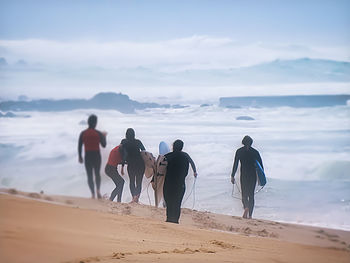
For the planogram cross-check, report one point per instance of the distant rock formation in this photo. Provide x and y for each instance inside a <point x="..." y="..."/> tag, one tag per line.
<point x="299" y="101"/>
<point x="105" y="100"/>
<point x="12" y="115"/>
<point x="7" y="115"/>
<point x="3" y="62"/>
<point x="245" y="118"/>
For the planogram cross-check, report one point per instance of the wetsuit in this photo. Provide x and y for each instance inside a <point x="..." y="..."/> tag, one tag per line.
<point x="136" y="165"/>
<point x="174" y="184"/>
<point x="115" y="158"/>
<point x="91" y="139"/>
<point x="247" y="157"/>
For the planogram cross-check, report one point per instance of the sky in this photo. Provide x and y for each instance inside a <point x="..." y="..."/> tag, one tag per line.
<point x="308" y="22"/>
<point x="167" y="36"/>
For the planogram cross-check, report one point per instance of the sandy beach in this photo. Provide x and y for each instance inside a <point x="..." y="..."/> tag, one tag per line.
<point x="38" y="228"/>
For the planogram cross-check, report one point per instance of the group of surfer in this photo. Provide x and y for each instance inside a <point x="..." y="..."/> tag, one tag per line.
<point x="129" y="153"/>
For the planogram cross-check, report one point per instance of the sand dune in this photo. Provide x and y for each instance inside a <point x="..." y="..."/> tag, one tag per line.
<point x="36" y="227"/>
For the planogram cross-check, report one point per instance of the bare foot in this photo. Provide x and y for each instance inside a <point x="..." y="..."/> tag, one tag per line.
<point x="245" y="214"/>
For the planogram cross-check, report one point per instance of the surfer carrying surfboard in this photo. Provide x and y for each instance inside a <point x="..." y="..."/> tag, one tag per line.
<point x="247" y="156"/>
<point x="132" y="148"/>
<point x="174" y="184"/>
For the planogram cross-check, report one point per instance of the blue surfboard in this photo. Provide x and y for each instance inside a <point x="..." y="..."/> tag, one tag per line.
<point x="260" y="173"/>
<point x="163" y="148"/>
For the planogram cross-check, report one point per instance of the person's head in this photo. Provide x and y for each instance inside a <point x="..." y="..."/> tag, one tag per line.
<point x="247" y="141"/>
<point x="178" y="146"/>
<point x="92" y="121"/>
<point x="130" y="134"/>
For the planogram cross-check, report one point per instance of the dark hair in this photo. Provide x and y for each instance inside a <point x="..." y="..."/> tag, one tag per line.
<point x="178" y="145"/>
<point x="247" y="141"/>
<point x="92" y="121"/>
<point x="130" y="134"/>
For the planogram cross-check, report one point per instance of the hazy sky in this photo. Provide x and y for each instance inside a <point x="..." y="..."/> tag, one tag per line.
<point x="291" y="21"/>
<point x="70" y="36"/>
<point x="148" y="33"/>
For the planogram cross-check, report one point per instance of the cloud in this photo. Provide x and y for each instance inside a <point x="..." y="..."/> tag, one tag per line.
<point x="196" y="52"/>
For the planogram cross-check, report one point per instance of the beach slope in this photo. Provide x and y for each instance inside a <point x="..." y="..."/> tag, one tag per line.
<point x="42" y="228"/>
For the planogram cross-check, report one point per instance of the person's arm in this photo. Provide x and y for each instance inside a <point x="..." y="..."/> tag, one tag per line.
<point x="121" y="151"/>
<point x="192" y="164"/>
<point x="80" y="146"/>
<point x="103" y="141"/>
<point x="142" y="148"/>
<point x="235" y="166"/>
<point x="258" y="158"/>
<point x="124" y="152"/>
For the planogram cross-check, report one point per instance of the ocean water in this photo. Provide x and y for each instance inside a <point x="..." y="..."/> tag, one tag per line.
<point x="305" y="151"/>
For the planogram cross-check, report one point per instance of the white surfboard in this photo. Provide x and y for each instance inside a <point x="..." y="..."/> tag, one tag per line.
<point x="150" y="163"/>
<point x="160" y="173"/>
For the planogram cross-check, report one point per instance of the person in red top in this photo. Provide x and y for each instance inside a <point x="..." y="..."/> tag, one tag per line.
<point x="91" y="139"/>
<point x="115" y="158"/>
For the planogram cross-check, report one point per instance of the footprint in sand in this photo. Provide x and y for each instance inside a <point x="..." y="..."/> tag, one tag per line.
<point x="273" y="235"/>
<point x="232" y="229"/>
<point x="48" y="198"/>
<point x="186" y="251"/>
<point x="9" y="234"/>
<point x="247" y="231"/>
<point x="263" y="233"/>
<point x="119" y="255"/>
<point x="222" y="244"/>
<point x="204" y="250"/>
<point x="330" y="236"/>
<point x="69" y="202"/>
<point x="178" y="251"/>
<point x="127" y="210"/>
<point x="86" y="260"/>
<point x="150" y="252"/>
<point x="34" y="195"/>
<point x="13" y="191"/>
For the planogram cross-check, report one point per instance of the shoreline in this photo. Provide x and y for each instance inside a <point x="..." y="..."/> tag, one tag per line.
<point x="26" y="194"/>
<point x="77" y="202"/>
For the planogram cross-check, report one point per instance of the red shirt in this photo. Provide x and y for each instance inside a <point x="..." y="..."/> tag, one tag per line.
<point x="115" y="156"/>
<point x="91" y="139"/>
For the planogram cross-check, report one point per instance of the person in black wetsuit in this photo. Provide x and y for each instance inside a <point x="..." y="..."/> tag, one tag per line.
<point x="136" y="165"/>
<point x="247" y="155"/>
<point x="174" y="184"/>
<point x="91" y="139"/>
